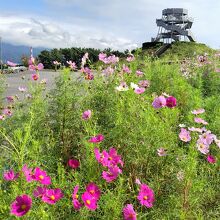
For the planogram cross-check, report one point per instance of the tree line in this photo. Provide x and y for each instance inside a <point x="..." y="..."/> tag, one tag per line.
<point x="74" y="54"/>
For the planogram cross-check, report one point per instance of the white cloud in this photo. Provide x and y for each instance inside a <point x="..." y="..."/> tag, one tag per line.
<point x="118" y="24"/>
<point x="39" y="32"/>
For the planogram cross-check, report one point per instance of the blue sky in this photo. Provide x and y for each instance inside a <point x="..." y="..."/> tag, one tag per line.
<point x="118" y="24"/>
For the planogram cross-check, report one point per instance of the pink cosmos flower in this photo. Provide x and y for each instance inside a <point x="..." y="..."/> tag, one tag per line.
<point x="129" y="213"/>
<point x="72" y="64"/>
<point x="108" y="60"/>
<point x="73" y="163"/>
<point x="86" y="114"/>
<point x="146" y="196"/>
<point x="102" y="56"/>
<point x="139" y="90"/>
<point x="94" y="190"/>
<point x="207" y="138"/>
<point x="2" y="117"/>
<point x="171" y="102"/>
<point x="52" y="196"/>
<point x="56" y="63"/>
<point x="39" y="192"/>
<point x="41" y="176"/>
<point x="159" y="102"/>
<point x="144" y="83"/>
<point x="28" y="173"/>
<point x="137" y="181"/>
<point x="211" y="159"/>
<point x="89" y="201"/>
<point x="7" y="111"/>
<point x="139" y="73"/>
<point x="21" y="205"/>
<point x="184" y="135"/>
<point x="111" y="174"/>
<point x="9" y="63"/>
<point x="161" y="152"/>
<point x="204" y="149"/>
<point x="126" y="69"/>
<point x="35" y="77"/>
<point x="130" y="58"/>
<point x="195" y="129"/>
<point x="10" y="98"/>
<point x="22" y="89"/>
<point x="84" y="59"/>
<point x="76" y="203"/>
<point x="34" y="67"/>
<point x="10" y="175"/>
<point x="200" y="121"/>
<point x="198" y="111"/>
<point x="108" y="71"/>
<point x="96" y="139"/>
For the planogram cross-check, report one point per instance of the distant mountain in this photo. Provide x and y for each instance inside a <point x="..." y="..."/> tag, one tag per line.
<point x="14" y="53"/>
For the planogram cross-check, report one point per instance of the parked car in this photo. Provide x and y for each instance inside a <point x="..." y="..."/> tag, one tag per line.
<point x="17" y="69"/>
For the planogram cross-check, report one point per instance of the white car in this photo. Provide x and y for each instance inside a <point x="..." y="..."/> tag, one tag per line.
<point x="17" y="69"/>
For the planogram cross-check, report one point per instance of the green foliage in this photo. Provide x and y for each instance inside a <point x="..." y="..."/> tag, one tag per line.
<point x="46" y="131"/>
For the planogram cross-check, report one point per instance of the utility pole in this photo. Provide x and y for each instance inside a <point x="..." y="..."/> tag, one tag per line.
<point x="1" y="52"/>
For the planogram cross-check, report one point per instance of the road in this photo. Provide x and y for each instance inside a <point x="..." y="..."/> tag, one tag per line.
<point x="13" y="81"/>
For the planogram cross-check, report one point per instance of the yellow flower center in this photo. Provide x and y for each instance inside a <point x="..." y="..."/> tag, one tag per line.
<point x="110" y="158"/>
<point x="92" y="191"/>
<point x="52" y="197"/>
<point x="23" y="207"/>
<point x="145" y="197"/>
<point x="76" y="196"/>
<point x="88" y="202"/>
<point x="41" y="177"/>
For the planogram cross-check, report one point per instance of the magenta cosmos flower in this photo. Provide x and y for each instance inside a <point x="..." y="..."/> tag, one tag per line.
<point x="184" y="135"/>
<point x="10" y="175"/>
<point x="35" y="77"/>
<point x="52" y="196"/>
<point x="86" y="114"/>
<point x="211" y="159"/>
<point x="73" y="163"/>
<point x="89" y="201"/>
<point x="146" y="196"/>
<point x="171" y="102"/>
<point x="21" y="205"/>
<point x="94" y="190"/>
<point x="39" y="192"/>
<point x="129" y="213"/>
<point x="41" y="176"/>
<point x="102" y="158"/>
<point x="96" y="139"/>
<point x="111" y="174"/>
<point x="76" y="203"/>
<point x="159" y="102"/>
